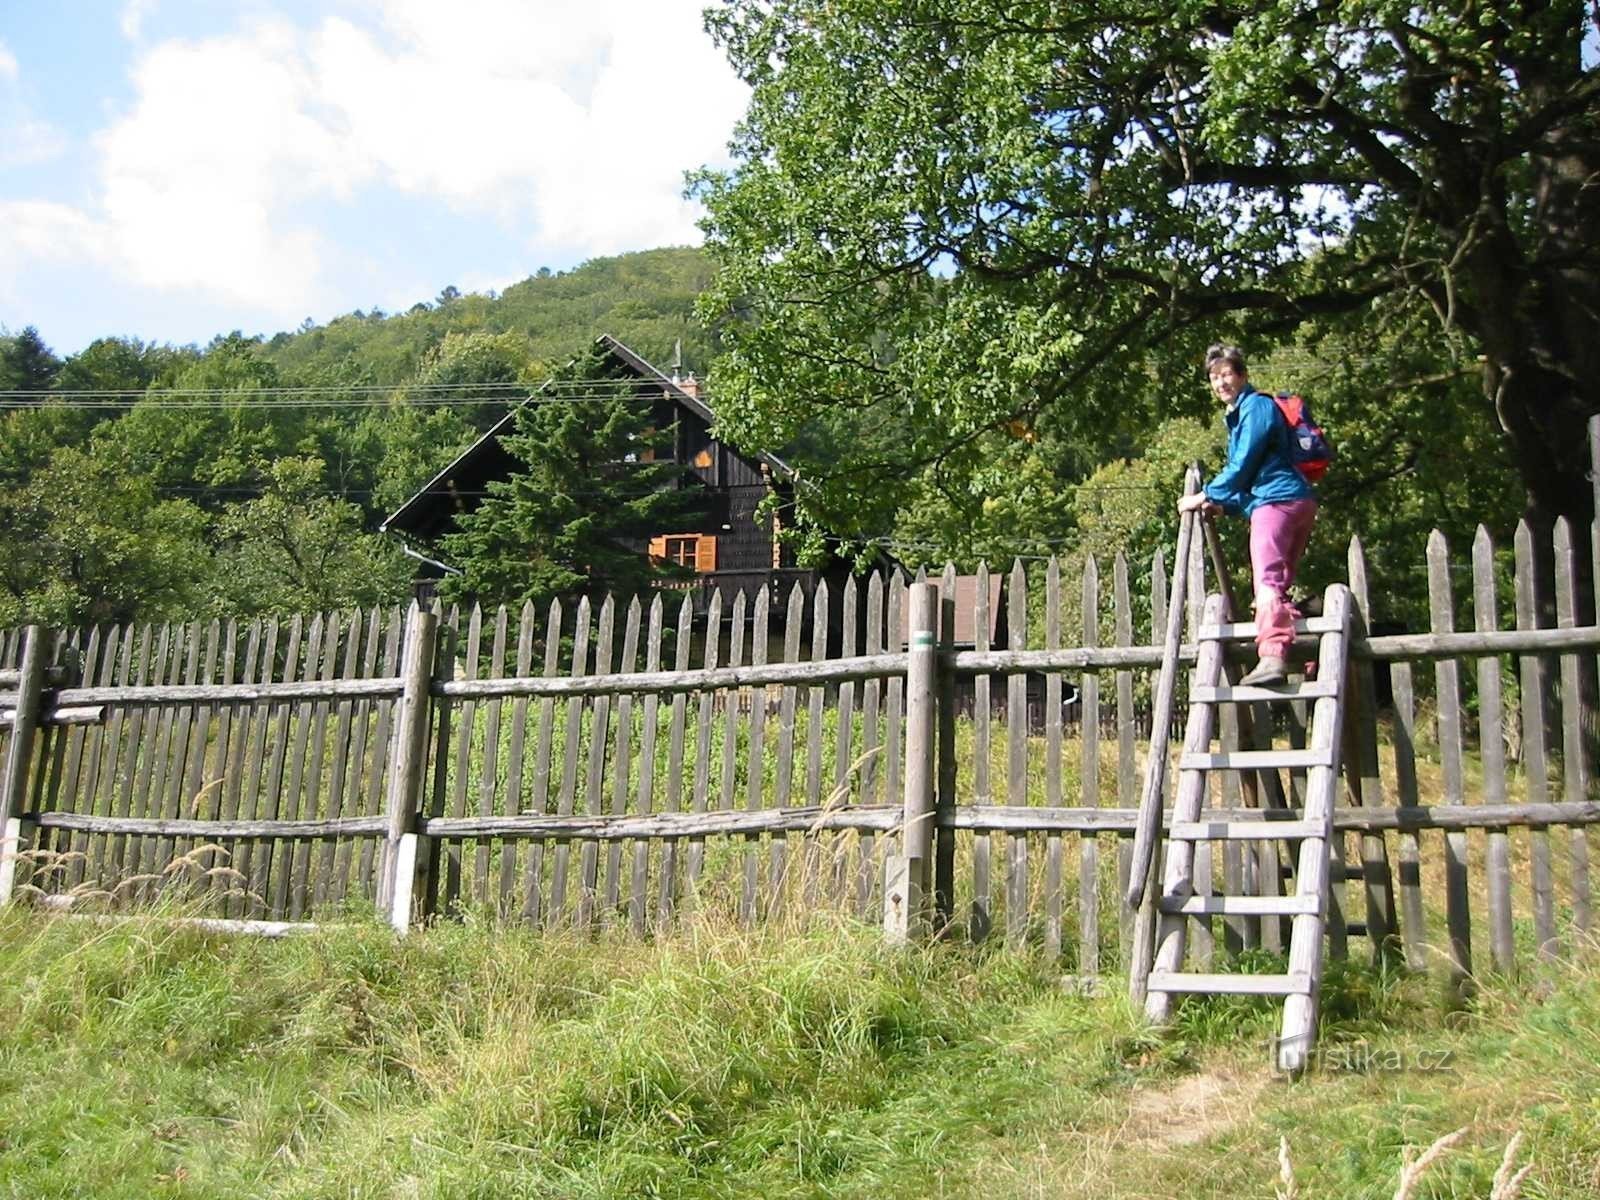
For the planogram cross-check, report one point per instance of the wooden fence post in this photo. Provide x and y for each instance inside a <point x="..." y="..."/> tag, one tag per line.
<point x="407" y="766"/>
<point x="906" y="882"/>
<point x="19" y="754"/>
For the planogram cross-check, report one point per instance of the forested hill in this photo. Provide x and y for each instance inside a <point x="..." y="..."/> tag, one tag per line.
<point x="151" y="481"/>
<point x="645" y="299"/>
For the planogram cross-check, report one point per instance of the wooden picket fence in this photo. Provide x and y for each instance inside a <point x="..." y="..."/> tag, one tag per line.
<point x="621" y="765"/>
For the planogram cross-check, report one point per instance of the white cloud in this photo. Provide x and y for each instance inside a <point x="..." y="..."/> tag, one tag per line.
<point x="133" y="16"/>
<point x="568" y="126"/>
<point x="24" y="139"/>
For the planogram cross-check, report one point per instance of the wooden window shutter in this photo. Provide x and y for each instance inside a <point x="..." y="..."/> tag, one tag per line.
<point x="705" y="554"/>
<point x="658" y="547"/>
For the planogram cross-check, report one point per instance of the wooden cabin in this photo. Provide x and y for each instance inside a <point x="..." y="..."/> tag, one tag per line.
<point x="727" y="544"/>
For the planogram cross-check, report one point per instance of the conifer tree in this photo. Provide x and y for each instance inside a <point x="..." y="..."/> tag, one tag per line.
<point x="578" y="513"/>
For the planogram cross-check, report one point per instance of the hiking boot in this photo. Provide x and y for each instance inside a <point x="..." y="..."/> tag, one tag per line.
<point x="1270" y="670"/>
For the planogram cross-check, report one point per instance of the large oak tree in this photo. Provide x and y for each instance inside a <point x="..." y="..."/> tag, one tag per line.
<point x="969" y="211"/>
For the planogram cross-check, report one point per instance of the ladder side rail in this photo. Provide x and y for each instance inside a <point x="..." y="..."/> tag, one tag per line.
<point x="1306" y="942"/>
<point x="1171" y="940"/>
<point x="1147" y="834"/>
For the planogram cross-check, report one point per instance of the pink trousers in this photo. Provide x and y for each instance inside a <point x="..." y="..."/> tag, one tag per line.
<point x="1278" y="537"/>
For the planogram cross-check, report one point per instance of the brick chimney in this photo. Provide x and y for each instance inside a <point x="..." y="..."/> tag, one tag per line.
<point x="689" y="385"/>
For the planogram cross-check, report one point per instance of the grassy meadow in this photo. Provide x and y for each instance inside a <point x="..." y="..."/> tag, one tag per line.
<point x="141" y="1058"/>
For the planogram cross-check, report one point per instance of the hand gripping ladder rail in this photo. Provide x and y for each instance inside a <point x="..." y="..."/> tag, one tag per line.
<point x="1158" y="973"/>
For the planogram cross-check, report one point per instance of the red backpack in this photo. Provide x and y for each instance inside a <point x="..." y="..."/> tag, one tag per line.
<point x="1308" y="445"/>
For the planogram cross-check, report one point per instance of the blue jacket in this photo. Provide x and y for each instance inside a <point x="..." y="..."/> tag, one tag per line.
<point x="1259" y="470"/>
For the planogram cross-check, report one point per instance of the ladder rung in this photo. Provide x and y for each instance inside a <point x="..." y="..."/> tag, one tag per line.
<point x="1356" y="929"/>
<point x="1243" y="831"/>
<point x="1244" y="760"/>
<point x="1246" y="630"/>
<point x="1296" y="983"/>
<point x="1235" y="694"/>
<point x="1241" y="906"/>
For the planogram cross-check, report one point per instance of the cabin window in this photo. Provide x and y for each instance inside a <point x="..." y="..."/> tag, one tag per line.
<point x="696" y="551"/>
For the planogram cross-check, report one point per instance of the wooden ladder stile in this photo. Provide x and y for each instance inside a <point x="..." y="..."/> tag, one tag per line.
<point x="1309" y="833"/>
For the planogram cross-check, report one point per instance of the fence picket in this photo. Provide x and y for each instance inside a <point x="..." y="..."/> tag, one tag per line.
<point x="489" y="759"/>
<point x="844" y="762"/>
<point x="981" y="923"/>
<point x="150" y="779"/>
<point x="260" y="641"/>
<point x="894" y="641"/>
<point x="1447" y="684"/>
<point x="667" y="893"/>
<point x="450" y="850"/>
<point x="947" y="765"/>
<point x="82" y="757"/>
<point x="702" y="745"/>
<point x="196" y="734"/>
<point x="815" y="735"/>
<point x="872" y="694"/>
<point x="1054" y="854"/>
<point x="638" y="906"/>
<point x="756" y="780"/>
<point x="100" y="789"/>
<point x="339" y="768"/>
<point x="1491" y="747"/>
<point x="512" y="801"/>
<point x="594" y="785"/>
<point x="623" y="769"/>
<point x="1089" y="773"/>
<point x="377" y="766"/>
<point x="533" y="910"/>
<point x="278" y="856"/>
<point x="1017" y="761"/>
<point x="255" y="854"/>
<point x="1127" y="765"/>
<point x="1574" y="765"/>
<point x="866" y="845"/>
<point x="778" y="852"/>
<point x="566" y="798"/>
<point x="1361" y="725"/>
<point x="297" y="859"/>
<point x="1535" y="765"/>
<point x="730" y="704"/>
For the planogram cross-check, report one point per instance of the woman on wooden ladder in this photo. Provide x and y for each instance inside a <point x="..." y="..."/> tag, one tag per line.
<point x="1260" y="481"/>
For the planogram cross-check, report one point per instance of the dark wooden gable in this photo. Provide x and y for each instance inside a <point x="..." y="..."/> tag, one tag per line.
<point x="734" y="482"/>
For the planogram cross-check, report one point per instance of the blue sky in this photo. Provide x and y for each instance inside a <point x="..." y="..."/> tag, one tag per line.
<point x="174" y="169"/>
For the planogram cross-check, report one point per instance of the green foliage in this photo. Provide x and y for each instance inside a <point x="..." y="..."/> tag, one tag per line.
<point x="956" y="214"/>
<point x="83" y="541"/>
<point x="646" y="300"/>
<point x="1128" y="504"/>
<point x="295" y="549"/>
<point x="26" y="363"/>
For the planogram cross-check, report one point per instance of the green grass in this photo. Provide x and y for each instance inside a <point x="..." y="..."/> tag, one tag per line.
<point x="143" y="1059"/>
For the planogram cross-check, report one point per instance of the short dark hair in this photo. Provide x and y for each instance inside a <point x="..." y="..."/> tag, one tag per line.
<point x="1221" y="352"/>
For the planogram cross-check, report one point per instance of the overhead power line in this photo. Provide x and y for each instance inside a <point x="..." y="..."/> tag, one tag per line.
<point x="509" y="395"/>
